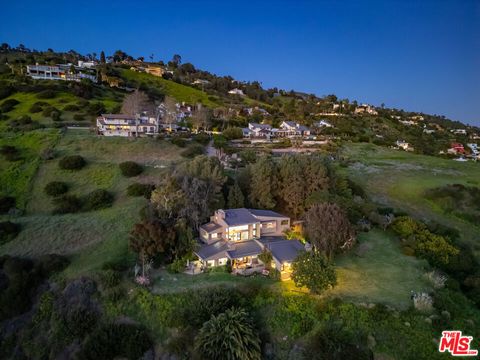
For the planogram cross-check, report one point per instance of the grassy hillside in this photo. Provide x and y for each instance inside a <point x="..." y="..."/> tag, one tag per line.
<point x="91" y="237"/>
<point x="16" y="176"/>
<point x="180" y="92"/>
<point x="401" y="179"/>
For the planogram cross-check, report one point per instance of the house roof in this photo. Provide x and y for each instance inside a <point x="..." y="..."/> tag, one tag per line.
<point x="284" y="250"/>
<point x="206" y="252"/>
<point x="290" y="123"/>
<point x="244" y="248"/>
<point x="269" y="213"/>
<point x="261" y="126"/>
<point x="210" y="227"/>
<point x="118" y="116"/>
<point x="239" y="216"/>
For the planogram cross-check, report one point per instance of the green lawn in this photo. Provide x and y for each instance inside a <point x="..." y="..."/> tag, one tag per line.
<point x="165" y="282"/>
<point x="180" y="92"/>
<point x="16" y="176"/>
<point x="377" y="272"/>
<point x="400" y="179"/>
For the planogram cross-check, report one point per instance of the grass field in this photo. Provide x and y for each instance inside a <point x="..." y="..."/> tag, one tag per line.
<point x="109" y="99"/>
<point x="400" y="179"/>
<point x="378" y="272"/>
<point x="95" y="237"/>
<point x="16" y="176"/>
<point x="178" y="91"/>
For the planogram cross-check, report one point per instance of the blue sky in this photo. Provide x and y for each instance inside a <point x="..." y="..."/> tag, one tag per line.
<point x="421" y="55"/>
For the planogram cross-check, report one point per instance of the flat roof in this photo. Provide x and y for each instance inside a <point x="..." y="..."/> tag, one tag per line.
<point x="244" y="248"/>
<point x="239" y="216"/>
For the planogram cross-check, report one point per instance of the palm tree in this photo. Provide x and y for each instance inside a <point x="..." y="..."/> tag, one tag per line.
<point x="230" y="336"/>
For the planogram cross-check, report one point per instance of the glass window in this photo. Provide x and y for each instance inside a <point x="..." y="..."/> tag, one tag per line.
<point x="284" y="222"/>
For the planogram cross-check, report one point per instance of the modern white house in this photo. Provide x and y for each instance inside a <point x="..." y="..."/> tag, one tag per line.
<point x="240" y="235"/>
<point x="61" y="72"/>
<point x="366" y="108"/>
<point x="401" y="144"/>
<point x="126" y="125"/>
<point x="236" y="92"/>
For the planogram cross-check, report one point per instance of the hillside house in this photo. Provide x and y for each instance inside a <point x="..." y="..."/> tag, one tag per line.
<point x="258" y="130"/>
<point x="60" y="72"/>
<point x="459" y="131"/>
<point x="240" y="235"/>
<point x="474" y="148"/>
<point x="126" y="125"/>
<point x="366" y="108"/>
<point x="290" y="128"/>
<point x="456" y="149"/>
<point x="322" y="124"/>
<point x="401" y="144"/>
<point x="155" y="70"/>
<point x="236" y="92"/>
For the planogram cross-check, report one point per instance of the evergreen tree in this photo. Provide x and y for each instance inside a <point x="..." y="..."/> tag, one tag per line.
<point x="263" y="183"/>
<point x="235" y="197"/>
<point x="102" y="58"/>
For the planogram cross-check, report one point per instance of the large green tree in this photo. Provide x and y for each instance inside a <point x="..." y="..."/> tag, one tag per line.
<point x="263" y="183"/>
<point x="230" y="336"/>
<point x="314" y="271"/>
<point x="328" y="229"/>
<point x="235" y="197"/>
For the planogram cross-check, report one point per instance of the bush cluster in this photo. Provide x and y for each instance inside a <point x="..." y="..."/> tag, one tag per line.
<point x="6" y="203"/>
<point x="72" y="162"/>
<point x="138" y="189"/>
<point x="11" y="153"/>
<point x="97" y="199"/>
<point x="46" y="94"/>
<point x="8" y="105"/>
<point x="130" y="168"/>
<point x="193" y="150"/>
<point x="56" y="188"/>
<point x="8" y="231"/>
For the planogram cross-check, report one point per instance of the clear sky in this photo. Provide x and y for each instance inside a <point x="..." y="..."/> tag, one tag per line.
<point x="419" y="55"/>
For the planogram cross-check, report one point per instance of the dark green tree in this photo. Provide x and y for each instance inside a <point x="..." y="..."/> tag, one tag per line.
<point x="235" y="197"/>
<point x="314" y="271"/>
<point x="230" y="335"/>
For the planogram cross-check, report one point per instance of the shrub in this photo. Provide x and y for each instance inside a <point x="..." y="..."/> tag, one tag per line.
<point x="8" y="231"/>
<point x="138" y="189"/>
<point x="202" y="304"/>
<point x="202" y="138"/>
<point x="8" y="105"/>
<point x="179" y="141"/>
<point x="67" y="204"/>
<point x="55" y="115"/>
<point x="10" y="153"/>
<point x="112" y="341"/>
<point x="96" y="108"/>
<point x="193" y="150"/>
<point x="56" y="188"/>
<point x="51" y="263"/>
<point x="230" y="335"/>
<point x="37" y="107"/>
<point x="178" y="265"/>
<point x="98" y="199"/>
<point x="109" y="278"/>
<point x="5" y="91"/>
<point x="6" y="203"/>
<point x="47" y="111"/>
<point x="78" y="117"/>
<point x="46" y="94"/>
<point x="231" y="133"/>
<point x="71" y="107"/>
<point x="130" y="168"/>
<point x="73" y="162"/>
